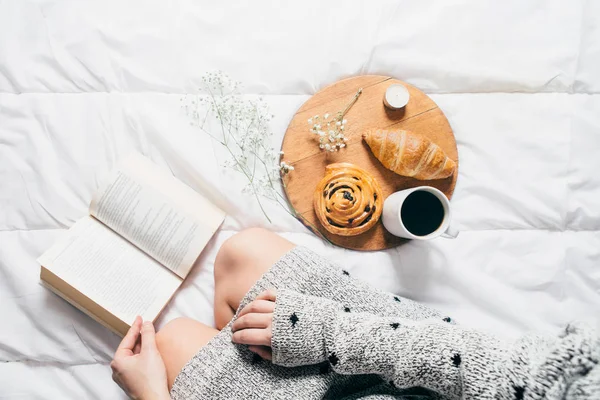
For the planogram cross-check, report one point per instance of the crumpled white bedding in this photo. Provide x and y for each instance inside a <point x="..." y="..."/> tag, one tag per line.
<point x="82" y="83"/>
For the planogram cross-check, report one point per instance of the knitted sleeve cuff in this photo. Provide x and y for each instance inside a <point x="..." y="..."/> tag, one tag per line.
<point x="299" y="328"/>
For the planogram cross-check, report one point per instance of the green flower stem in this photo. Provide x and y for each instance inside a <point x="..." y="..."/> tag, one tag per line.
<point x="235" y="159"/>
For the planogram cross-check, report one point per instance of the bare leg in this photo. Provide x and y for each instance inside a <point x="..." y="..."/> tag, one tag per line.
<point x="241" y="261"/>
<point x="179" y="340"/>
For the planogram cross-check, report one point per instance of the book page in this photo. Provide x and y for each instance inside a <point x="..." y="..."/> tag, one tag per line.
<point x="156" y="212"/>
<point x="111" y="271"/>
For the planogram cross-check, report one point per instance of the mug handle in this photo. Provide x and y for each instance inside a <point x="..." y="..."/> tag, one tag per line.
<point x="451" y="233"/>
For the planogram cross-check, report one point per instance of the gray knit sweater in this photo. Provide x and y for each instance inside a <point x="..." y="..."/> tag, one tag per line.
<point x="457" y="362"/>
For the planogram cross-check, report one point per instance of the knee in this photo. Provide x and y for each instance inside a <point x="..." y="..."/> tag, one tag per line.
<point x="240" y="249"/>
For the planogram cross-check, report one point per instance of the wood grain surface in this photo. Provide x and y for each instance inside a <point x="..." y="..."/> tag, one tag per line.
<point x="421" y="115"/>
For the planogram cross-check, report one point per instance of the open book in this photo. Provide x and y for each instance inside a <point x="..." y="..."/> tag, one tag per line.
<point x="144" y="231"/>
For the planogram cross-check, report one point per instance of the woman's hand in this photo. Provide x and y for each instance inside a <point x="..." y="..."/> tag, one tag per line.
<point x="138" y="367"/>
<point x="254" y="325"/>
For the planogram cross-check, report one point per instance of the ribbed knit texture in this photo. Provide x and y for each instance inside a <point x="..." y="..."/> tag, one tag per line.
<point x="335" y="337"/>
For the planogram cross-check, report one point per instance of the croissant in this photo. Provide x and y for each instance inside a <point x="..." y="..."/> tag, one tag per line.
<point x="347" y="200"/>
<point x="409" y="154"/>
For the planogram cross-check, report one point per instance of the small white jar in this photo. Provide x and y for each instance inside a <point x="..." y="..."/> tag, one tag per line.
<point x="396" y="97"/>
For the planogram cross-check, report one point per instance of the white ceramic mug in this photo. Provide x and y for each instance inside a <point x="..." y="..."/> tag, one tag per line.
<point x="392" y="217"/>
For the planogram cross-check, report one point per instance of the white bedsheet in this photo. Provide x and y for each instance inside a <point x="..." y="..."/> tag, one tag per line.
<point x="83" y="83"/>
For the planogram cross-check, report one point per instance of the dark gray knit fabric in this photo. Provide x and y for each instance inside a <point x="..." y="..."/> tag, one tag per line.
<point x="337" y="338"/>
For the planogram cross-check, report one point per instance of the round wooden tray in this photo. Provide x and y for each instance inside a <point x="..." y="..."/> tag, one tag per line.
<point x="301" y="150"/>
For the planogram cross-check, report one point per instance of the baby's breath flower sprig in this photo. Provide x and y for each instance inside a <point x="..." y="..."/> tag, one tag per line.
<point x="330" y="130"/>
<point x="285" y="168"/>
<point x="243" y="129"/>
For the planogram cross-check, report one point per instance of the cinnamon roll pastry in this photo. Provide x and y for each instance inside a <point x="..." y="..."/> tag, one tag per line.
<point x="348" y="200"/>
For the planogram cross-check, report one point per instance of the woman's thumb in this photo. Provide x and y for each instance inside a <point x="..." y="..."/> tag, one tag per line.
<point x="148" y="336"/>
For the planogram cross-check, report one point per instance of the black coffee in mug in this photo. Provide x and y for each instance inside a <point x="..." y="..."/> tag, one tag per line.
<point x="422" y="213"/>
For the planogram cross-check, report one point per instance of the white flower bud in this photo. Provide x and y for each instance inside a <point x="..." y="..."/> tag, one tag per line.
<point x="326" y="116"/>
<point x="338" y="123"/>
<point x="344" y="122"/>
